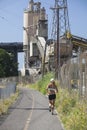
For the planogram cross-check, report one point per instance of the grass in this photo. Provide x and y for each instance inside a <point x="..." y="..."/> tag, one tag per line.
<point x="41" y="84"/>
<point x="6" y="103"/>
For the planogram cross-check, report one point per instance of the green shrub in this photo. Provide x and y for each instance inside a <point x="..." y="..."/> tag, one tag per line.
<point x="42" y="83"/>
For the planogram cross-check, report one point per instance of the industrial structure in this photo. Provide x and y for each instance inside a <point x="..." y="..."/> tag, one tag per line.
<point x="64" y="54"/>
<point x="35" y="34"/>
<point x="37" y="48"/>
<point x="60" y="32"/>
<point x="39" y="51"/>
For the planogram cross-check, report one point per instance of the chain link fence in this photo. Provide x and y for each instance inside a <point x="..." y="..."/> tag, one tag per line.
<point x="7" y="87"/>
<point x="74" y="74"/>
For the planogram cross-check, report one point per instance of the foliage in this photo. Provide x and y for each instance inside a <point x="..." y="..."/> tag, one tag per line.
<point x="71" y="110"/>
<point x="42" y="83"/>
<point x="7" y="66"/>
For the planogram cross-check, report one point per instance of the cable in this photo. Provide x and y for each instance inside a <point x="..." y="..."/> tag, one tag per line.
<point x="9" y="21"/>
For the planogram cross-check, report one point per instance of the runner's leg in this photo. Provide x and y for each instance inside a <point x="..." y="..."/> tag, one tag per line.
<point x="53" y="103"/>
<point x="50" y="105"/>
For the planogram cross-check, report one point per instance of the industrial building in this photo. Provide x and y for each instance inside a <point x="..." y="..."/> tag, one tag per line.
<point x="35" y="39"/>
<point x="35" y="34"/>
<point x="37" y="47"/>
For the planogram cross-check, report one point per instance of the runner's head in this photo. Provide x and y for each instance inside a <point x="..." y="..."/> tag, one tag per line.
<point x="52" y="80"/>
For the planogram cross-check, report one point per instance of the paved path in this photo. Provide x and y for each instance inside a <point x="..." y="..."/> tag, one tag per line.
<point x="30" y="112"/>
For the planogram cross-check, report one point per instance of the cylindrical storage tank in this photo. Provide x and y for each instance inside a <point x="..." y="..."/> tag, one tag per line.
<point x="38" y="6"/>
<point x="26" y="38"/>
<point x="25" y="31"/>
<point x="42" y="14"/>
<point x="31" y="5"/>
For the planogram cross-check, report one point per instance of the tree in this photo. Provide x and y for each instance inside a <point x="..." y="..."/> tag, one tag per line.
<point x="7" y="65"/>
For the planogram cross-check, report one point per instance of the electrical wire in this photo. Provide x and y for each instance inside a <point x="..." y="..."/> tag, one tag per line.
<point x="7" y="13"/>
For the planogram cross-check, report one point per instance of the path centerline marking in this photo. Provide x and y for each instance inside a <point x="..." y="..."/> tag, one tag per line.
<point x="30" y="115"/>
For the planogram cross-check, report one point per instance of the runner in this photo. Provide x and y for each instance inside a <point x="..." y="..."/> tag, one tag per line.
<point x="52" y="90"/>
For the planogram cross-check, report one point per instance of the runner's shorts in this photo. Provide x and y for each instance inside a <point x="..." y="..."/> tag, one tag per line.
<point x="52" y="96"/>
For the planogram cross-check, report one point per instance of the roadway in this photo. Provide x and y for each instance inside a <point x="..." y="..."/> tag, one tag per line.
<point x="30" y="112"/>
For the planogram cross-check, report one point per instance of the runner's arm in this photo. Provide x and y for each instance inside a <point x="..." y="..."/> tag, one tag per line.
<point x="56" y="89"/>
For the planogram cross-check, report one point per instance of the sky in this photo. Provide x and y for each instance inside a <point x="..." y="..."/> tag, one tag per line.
<point x="11" y="19"/>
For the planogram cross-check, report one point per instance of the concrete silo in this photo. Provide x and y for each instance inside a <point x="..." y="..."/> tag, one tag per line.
<point x="35" y="24"/>
<point x="26" y="33"/>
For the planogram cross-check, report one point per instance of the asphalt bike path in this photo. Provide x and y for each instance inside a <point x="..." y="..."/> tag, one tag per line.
<point x="30" y="112"/>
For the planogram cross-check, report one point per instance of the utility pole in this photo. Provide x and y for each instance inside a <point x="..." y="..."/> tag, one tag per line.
<point x="43" y="61"/>
<point x="60" y="28"/>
